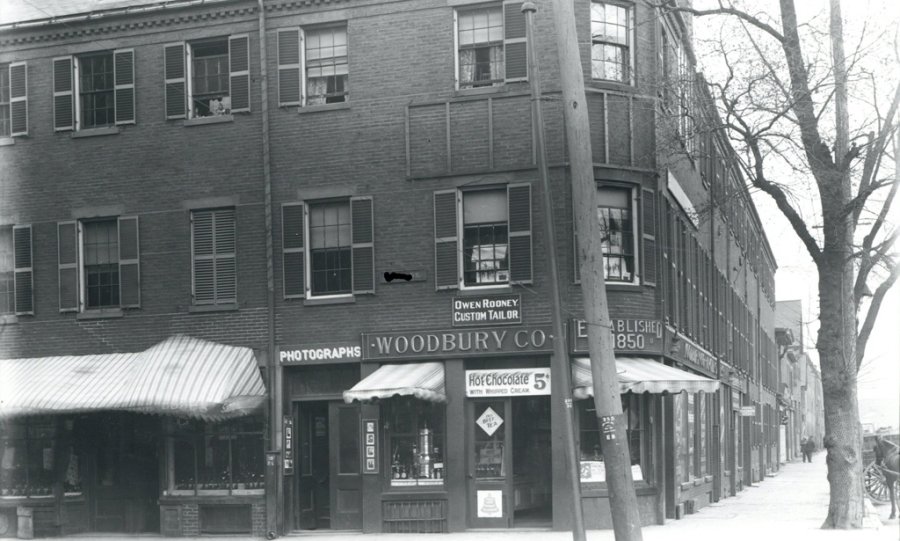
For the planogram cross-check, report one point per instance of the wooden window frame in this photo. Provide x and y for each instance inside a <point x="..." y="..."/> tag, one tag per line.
<point x="628" y="47"/>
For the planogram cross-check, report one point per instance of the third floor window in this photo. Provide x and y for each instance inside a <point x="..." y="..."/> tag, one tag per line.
<point x="611" y="42"/>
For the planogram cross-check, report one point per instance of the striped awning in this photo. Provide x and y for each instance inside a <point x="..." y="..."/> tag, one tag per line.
<point x="639" y="375"/>
<point x="180" y="376"/>
<point x="421" y="380"/>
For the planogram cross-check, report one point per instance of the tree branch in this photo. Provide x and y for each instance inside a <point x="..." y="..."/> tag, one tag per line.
<point x="722" y="10"/>
<point x="872" y="313"/>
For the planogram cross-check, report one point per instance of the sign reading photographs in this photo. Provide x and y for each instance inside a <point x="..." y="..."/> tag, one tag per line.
<point x="508" y="382"/>
<point x="338" y="353"/>
<point x="487" y="310"/>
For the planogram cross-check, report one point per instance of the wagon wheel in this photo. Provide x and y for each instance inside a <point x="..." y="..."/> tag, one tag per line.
<point x="876" y="484"/>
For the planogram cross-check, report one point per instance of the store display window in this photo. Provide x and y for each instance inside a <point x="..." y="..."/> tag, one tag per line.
<point x="224" y="458"/>
<point x="415" y="437"/>
<point x="27" y="449"/>
<point x="636" y="408"/>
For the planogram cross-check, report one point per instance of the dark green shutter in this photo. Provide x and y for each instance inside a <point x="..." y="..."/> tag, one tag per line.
<point x="176" y="89"/>
<point x="293" y="256"/>
<point x="289" y="67"/>
<point x="67" y="254"/>
<point x="129" y="263"/>
<point x="24" y="270"/>
<point x="520" y="260"/>
<point x="363" y="244"/>
<point x="514" y="43"/>
<point x="239" y="66"/>
<point x="63" y="108"/>
<point x="446" y="240"/>
<point x="648" y="237"/>
<point x="123" y="64"/>
<point x="18" y="98"/>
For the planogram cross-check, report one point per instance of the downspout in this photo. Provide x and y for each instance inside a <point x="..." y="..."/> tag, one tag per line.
<point x="273" y="372"/>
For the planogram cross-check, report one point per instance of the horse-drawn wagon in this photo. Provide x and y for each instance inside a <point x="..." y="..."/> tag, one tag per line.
<point x="879" y="475"/>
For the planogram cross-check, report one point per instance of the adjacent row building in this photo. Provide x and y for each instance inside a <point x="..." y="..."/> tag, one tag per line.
<point x="280" y="266"/>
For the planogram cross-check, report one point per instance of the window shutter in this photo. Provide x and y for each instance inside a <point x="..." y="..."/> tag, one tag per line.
<point x="123" y="64"/>
<point x="648" y="230"/>
<point x="519" y="204"/>
<point x="18" y="98"/>
<point x="63" y="109"/>
<point x="225" y="261"/>
<point x="24" y="271"/>
<point x="576" y="262"/>
<point x="289" y="67"/>
<point x="446" y="240"/>
<point x="204" y="279"/>
<point x="239" y="65"/>
<point x="176" y="85"/>
<point x="292" y="252"/>
<point x="129" y="262"/>
<point x="516" y="60"/>
<point x="67" y="253"/>
<point x="363" y="244"/>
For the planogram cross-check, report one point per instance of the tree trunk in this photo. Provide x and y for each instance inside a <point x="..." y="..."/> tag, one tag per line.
<point x="836" y="346"/>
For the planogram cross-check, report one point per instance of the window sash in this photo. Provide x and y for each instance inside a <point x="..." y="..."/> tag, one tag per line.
<point x="209" y="94"/>
<point x="328" y="231"/>
<point x="99" y="253"/>
<point x="326" y="69"/>
<point x="5" y="110"/>
<point x="480" y="55"/>
<point x="611" y="40"/>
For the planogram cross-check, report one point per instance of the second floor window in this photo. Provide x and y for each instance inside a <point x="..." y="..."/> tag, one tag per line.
<point x="480" y="35"/>
<point x="329" y="247"/>
<point x="7" y="276"/>
<point x="610" y="42"/>
<point x="485" y="238"/>
<point x="617" y="233"/>
<point x="100" y="245"/>
<point x="326" y="66"/>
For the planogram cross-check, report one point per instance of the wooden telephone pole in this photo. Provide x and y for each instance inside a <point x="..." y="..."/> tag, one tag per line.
<point x="613" y="441"/>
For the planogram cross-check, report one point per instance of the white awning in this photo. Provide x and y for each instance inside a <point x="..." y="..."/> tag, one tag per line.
<point x="421" y="380"/>
<point x="180" y="376"/>
<point x="640" y="375"/>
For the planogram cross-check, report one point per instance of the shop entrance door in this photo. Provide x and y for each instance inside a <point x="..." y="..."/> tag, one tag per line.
<point x="490" y="488"/>
<point x="123" y="471"/>
<point x="329" y="480"/>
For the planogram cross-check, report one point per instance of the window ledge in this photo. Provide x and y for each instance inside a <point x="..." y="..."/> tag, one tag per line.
<point x="105" y="313"/>
<point x="622" y="286"/>
<point x="203" y="120"/>
<point x="513" y="88"/>
<point x="201" y="308"/>
<point x="609" y="84"/>
<point x="600" y="490"/>
<point x="343" y="299"/>
<point x="473" y="291"/>
<point x="95" y="132"/>
<point x="7" y="141"/>
<point x="8" y="319"/>
<point x="686" y="485"/>
<point x="707" y="479"/>
<point x="324" y="107"/>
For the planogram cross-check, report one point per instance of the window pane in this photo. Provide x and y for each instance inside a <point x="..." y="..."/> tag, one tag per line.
<point x="213" y="463"/>
<point x="330" y="254"/>
<point x="416" y="442"/>
<point x="96" y="90"/>
<point x="183" y="461"/>
<point x="326" y="66"/>
<point x="101" y="263"/>
<point x="489" y="455"/>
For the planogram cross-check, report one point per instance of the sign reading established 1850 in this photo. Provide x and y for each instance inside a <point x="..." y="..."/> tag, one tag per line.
<point x="487" y="310"/>
<point x="641" y="335"/>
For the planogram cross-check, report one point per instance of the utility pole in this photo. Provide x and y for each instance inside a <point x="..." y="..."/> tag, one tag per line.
<point x="562" y="369"/>
<point x="613" y="441"/>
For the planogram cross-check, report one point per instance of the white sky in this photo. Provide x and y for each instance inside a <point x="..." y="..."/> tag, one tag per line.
<point x="879" y="377"/>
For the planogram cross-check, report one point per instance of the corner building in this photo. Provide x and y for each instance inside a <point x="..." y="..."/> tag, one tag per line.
<point x="406" y="353"/>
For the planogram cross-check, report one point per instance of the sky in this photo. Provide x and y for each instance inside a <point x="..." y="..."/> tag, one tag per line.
<point x="879" y="376"/>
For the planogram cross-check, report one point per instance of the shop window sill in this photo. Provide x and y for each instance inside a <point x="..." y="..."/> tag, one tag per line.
<point x="600" y="490"/>
<point x="110" y="313"/>
<point x="203" y="120"/>
<point x="201" y="308"/>
<point x="686" y="485"/>
<point x="708" y="479"/>
<point x="322" y="301"/>
<point x="95" y="132"/>
<point x="9" y="319"/>
<point x="324" y="107"/>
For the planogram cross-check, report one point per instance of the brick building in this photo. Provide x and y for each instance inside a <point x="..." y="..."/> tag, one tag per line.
<point x="346" y="193"/>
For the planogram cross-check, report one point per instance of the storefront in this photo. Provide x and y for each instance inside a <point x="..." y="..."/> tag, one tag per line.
<point x="81" y="452"/>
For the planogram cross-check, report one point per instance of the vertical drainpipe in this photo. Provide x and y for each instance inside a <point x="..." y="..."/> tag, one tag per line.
<point x="273" y="368"/>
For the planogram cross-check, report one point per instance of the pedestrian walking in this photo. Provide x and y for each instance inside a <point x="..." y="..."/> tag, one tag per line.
<point x="807" y="446"/>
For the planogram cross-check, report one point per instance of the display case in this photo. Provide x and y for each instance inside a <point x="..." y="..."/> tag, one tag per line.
<point x="415" y="437"/>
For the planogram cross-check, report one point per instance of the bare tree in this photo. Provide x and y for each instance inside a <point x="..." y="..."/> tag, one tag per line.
<point x="814" y="129"/>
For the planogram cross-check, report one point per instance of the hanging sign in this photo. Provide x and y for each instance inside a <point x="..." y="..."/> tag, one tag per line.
<point x="287" y="431"/>
<point x="508" y="382"/>
<point x="748" y="411"/>
<point x="487" y="310"/>
<point x="370" y="434"/>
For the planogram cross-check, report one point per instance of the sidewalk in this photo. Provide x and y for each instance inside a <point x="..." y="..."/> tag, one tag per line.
<point x="789" y="506"/>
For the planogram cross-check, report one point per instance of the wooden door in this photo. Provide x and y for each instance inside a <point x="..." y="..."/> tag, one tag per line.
<point x="345" y="466"/>
<point x="311" y="466"/>
<point x="490" y="475"/>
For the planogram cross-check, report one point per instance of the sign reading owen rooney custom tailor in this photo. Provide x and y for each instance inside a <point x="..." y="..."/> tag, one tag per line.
<point x="641" y="335"/>
<point x="456" y="343"/>
<point x="487" y="310"/>
<point x="508" y="382"/>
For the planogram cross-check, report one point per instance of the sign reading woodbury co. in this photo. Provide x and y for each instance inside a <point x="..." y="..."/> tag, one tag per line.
<point x="641" y="335"/>
<point x="456" y="342"/>
<point x="487" y="310"/>
<point x="508" y="382"/>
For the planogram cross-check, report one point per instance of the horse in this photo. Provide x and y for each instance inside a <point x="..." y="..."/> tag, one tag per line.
<point x="887" y="457"/>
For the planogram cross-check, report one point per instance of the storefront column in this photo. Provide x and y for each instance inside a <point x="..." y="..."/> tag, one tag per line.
<point x="563" y="516"/>
<point x="455" y="446"/>
<point x="659" y="454"/>
<point x="371" y="484"/>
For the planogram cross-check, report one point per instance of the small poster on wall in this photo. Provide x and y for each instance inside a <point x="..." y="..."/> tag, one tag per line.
<point x="490" y="503"/>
